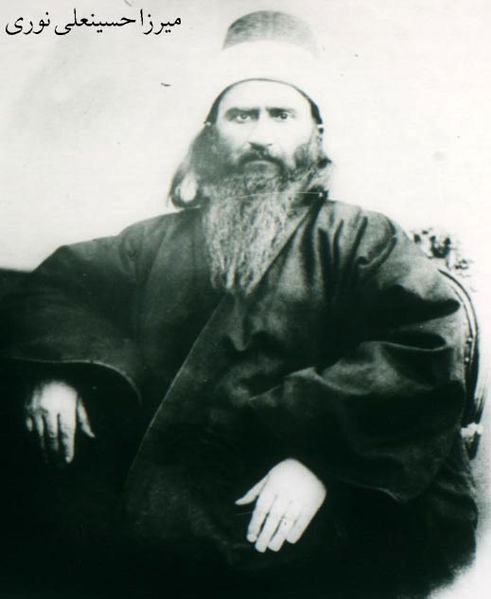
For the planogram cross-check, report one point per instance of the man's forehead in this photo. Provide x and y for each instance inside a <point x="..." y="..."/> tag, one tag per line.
<point x="256" y="93"/>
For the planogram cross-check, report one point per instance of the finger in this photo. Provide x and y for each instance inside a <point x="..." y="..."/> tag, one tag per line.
<point x="252" y="493"/>
<point x="39" y="434"/>
<point x="299" y="527"/>
<point x="83" y="420"/>
<point x="66" y="428"/>
<point x="270" y="525"/>
<point x="51" y="443"/>
<point x="263" y="505"/>
<point x="29" y="422"/>
<point x="284" y="528"/>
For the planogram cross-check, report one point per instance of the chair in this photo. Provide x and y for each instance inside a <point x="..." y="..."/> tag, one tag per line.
<point x="446" y="252"/>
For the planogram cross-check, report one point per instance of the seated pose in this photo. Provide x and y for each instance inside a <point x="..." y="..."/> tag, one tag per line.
<point x="289" y="368"/>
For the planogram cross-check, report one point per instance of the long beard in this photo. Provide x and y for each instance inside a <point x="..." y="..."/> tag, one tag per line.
<point x="243" y="224"/>
<point x="246" y="205"/>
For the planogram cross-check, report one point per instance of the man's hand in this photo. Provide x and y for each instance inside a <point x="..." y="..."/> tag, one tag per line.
<point x="52" y="413"/>
<point x="288" y="497"/>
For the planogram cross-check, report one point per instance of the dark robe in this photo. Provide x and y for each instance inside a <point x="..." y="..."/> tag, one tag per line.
<point x="346" y="356"/>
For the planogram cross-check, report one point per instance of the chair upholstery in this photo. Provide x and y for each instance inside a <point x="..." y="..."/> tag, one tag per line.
<point x="442" y="248"/>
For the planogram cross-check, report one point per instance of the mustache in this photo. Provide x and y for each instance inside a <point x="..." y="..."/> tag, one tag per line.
<point x="259" y="154"/>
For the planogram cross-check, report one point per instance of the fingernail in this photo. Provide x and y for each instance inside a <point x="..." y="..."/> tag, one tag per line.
<point x="251" y="538"/>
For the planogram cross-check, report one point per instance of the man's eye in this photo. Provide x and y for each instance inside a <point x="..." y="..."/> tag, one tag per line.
<point x="282" y="115"/>
<point x="241" y="117"/>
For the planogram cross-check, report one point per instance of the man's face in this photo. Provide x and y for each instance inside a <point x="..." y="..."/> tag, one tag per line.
<point x="263" y="124"/>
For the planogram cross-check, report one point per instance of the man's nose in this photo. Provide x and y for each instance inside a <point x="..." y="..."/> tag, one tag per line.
<point x="261" y="149"/>
<point x="261" y="135"/>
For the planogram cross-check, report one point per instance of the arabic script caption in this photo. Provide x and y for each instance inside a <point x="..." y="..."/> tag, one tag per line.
<point x="143" y="21"/>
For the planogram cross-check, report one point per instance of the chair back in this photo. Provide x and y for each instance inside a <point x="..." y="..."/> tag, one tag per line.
<point x="476" y="367"/>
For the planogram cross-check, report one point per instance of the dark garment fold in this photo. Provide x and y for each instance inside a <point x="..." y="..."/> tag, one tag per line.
<point x="346" y="356"/>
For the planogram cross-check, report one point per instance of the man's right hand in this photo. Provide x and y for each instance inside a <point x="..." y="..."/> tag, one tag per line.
<point x="52" y="413"/>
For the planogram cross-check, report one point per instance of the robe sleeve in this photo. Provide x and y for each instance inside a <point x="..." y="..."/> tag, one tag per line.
<point x="384" y="415"/>
<point x="76" y="309"/>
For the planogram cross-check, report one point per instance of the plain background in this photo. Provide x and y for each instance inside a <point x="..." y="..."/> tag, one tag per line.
<point x="92" y="125"/>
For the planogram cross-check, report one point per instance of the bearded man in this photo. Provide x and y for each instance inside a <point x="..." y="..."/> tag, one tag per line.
<point x="296" y="365"/>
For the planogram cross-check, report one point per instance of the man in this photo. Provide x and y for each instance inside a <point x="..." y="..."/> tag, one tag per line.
<point x="296" y="362"/>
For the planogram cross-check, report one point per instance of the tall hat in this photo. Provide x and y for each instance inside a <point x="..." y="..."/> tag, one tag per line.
<point x="267" y="45"/>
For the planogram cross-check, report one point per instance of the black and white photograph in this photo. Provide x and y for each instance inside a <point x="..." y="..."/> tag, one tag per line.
<point x="245" y="309"/>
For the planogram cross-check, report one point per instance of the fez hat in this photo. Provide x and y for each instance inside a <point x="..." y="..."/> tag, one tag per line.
<point x="267" y="45"/>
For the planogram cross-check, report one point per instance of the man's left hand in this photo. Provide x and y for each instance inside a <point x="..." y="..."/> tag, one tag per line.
<point x="288" y="497"/>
